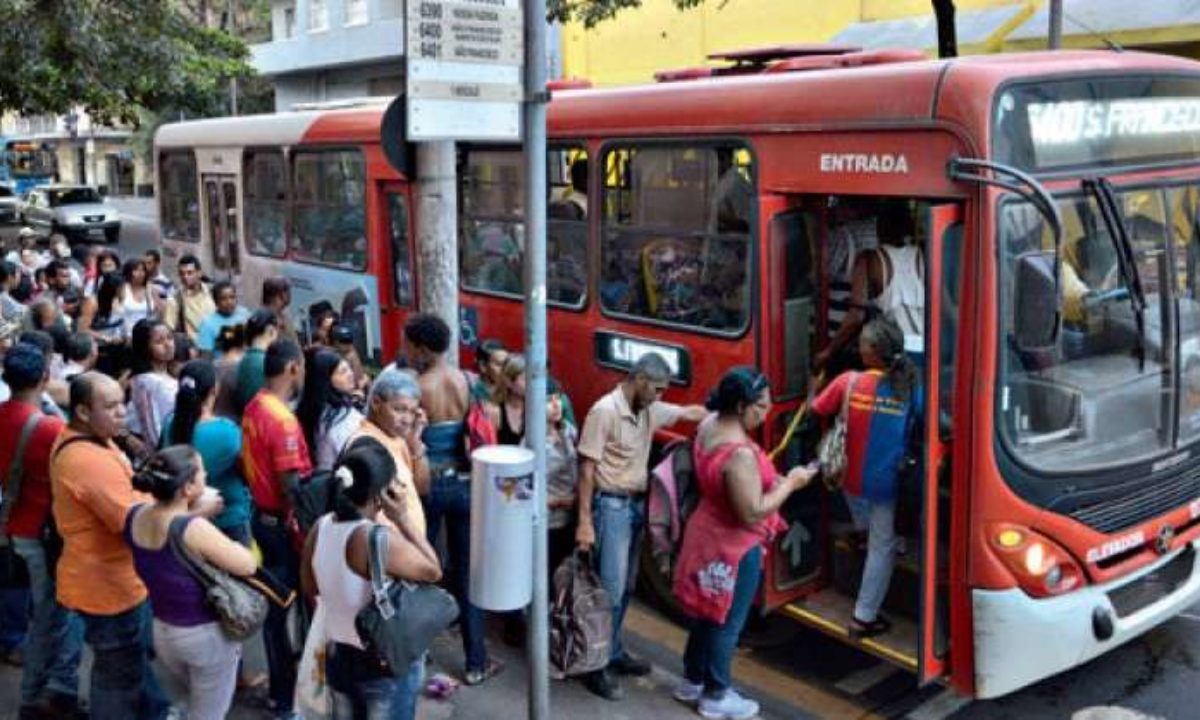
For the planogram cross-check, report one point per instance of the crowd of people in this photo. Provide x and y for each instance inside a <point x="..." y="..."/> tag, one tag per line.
<point x="142" y="413"/>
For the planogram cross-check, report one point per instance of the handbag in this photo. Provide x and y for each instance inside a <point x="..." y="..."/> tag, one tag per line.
<point x="403" y="617"/>
<point x="831" y="451"/>
<point x="313" y="698"/>
<point x="240" y="608"/>
<point x="580" y="618"/>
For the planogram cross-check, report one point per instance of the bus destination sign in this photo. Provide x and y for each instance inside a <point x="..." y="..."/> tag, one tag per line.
<point x="619" y="351"/>
<point x="464" y="69"/>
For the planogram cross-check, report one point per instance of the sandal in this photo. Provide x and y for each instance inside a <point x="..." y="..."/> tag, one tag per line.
<point x="860" y="630"/>
<point x="491" y="670"/>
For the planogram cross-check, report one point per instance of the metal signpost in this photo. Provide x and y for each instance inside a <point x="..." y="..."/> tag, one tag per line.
<point x="464" y="82"/>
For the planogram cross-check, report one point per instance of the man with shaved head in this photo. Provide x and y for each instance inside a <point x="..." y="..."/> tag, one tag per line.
<point x="91" y="481"/>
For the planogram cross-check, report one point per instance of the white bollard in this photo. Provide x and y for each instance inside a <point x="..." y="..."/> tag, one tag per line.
<point x="501" y="527"/>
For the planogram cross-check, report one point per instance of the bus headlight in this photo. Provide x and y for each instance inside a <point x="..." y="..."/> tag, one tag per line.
<point x="1040" y="566"/>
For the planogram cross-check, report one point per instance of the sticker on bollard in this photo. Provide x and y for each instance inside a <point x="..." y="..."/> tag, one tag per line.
<point x="501" y="527"/>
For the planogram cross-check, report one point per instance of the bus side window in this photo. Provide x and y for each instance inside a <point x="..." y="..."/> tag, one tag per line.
<point x="265" y="186"/>
<point x="676" y="235"/>
<point x="179" y="200"/>
<point x="329" y="216"/>
<point x="566" y="226"/>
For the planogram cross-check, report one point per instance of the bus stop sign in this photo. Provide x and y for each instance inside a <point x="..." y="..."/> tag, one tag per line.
<point x="400" y="153"/>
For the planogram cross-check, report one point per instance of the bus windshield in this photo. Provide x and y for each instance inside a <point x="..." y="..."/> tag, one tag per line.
<point x="25" y="160"/>
<point x="1109" y="390"/>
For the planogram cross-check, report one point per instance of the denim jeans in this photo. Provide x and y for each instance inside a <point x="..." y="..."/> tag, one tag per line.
<point x="619" y="522"/>
<point x="879" y="520"/>
<point x="122" y="683"/>
<point x="14" y="617"/>
<point x="362" y="694"/>
<point x="449" y="499"/>
<point x="709" y="652"/>
<point x="55" y="633"/>
<point x="279" y="559"/>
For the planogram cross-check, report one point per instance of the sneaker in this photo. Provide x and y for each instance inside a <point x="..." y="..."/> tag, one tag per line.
<point x="688" y="692"/>
<point x="629" y="665"/>
<point x="603" y="684"/>
<point x="731" y="706"/>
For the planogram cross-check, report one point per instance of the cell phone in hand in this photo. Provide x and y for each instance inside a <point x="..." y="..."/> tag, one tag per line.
<point x="813" y="466"/>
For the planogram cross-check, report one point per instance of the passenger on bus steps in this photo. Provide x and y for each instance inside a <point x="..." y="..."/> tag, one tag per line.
<point x="193" y="302"/>
<point x="884" y="403"/>
<point x="614" y="451"/>
<point x="720" y="559"/>
<point x="887" y="281"/>
<point x="445" y="398"/>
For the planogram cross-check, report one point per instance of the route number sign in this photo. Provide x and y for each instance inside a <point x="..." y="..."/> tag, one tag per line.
<point x="464" y="79"/>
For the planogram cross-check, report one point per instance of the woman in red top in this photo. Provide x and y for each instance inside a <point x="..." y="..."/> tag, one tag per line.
<point x="720" y="562"/>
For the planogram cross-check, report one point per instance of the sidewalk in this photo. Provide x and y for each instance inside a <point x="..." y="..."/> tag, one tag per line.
<point x="504" y="697"/>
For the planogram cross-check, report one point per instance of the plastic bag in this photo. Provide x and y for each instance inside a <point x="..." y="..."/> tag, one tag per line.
<point x="314" y="698"/>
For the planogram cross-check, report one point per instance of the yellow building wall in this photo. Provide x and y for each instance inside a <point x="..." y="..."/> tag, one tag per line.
<point x="657" y="36"/>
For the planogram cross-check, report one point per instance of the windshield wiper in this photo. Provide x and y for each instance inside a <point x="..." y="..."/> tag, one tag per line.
<point x="1110" y="212"/>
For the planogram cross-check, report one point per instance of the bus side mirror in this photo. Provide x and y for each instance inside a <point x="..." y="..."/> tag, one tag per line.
<point x="1035" y="307"/>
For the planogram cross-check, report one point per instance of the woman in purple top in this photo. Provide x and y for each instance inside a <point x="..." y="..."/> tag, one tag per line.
<point x="188" y="640"/>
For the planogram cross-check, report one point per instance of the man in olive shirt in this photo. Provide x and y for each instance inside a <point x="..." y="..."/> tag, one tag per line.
<point x="188" y="307"/>
<point x="614" y="453"/>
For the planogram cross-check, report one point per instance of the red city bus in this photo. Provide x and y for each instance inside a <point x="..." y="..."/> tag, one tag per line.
<point x="713" y="219"/>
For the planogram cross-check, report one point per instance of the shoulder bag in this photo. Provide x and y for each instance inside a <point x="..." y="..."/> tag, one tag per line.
<point x="403" y="617"/>
<point x="831" y="452"/>
<point x="240" y="608"/>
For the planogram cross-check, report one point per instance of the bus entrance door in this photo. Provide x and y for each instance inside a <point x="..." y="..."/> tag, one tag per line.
<point x="221" y="223"/>
<point x="943" y="254"/>
<point x="400" y="277"/>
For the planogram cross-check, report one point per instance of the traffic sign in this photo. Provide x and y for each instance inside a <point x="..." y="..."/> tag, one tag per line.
<point x="464" y="79"/>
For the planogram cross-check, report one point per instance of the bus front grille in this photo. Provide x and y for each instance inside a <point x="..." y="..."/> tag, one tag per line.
<point x="1136" y="507"/>
<point x="1153" y="586"/>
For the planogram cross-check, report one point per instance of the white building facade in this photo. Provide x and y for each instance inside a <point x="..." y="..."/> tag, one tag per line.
<point x="326" y="50"/>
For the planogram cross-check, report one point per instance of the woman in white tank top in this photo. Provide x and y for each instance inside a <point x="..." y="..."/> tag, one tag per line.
<point x="138" y="301"/>
<point x="335" y="568"/>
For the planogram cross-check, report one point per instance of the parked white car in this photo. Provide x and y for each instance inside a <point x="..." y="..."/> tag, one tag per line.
<point x="10" y="205"/>
<point x="76" y="211"/>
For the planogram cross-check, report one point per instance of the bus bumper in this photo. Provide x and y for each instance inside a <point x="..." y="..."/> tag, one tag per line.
<point x="1020" y="640"/>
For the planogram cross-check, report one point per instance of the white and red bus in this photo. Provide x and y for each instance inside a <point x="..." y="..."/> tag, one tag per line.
<point x="1055" y="196"/>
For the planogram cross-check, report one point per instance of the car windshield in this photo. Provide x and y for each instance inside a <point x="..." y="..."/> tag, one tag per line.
<point x="73" y="196"/>
<point x="6" y="192"/>
<point x="1112" y="387"/>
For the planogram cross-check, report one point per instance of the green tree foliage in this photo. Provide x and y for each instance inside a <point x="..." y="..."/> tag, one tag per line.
<point x="112" y="57"/>
<point x="592" y="12"/>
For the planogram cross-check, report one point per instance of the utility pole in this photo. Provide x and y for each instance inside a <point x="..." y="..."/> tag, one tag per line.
<point x="536" y="98"/>
<point x="1054" y="37"/>
<point x="437" y="235"/>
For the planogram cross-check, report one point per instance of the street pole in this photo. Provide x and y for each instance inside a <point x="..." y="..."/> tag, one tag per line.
<point x="1056" y="23"/>
<point x="535" y="345"/>
<point x="437" y="235"/>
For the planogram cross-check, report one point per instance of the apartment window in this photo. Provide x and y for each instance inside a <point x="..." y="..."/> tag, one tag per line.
<point x="356" y="12"/>
<point x="318" y="15"/>
<point x="289" y="22"/>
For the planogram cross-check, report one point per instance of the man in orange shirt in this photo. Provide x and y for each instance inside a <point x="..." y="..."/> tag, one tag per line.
<point x="274" y="459"/>
<point x="92" y="493"/>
